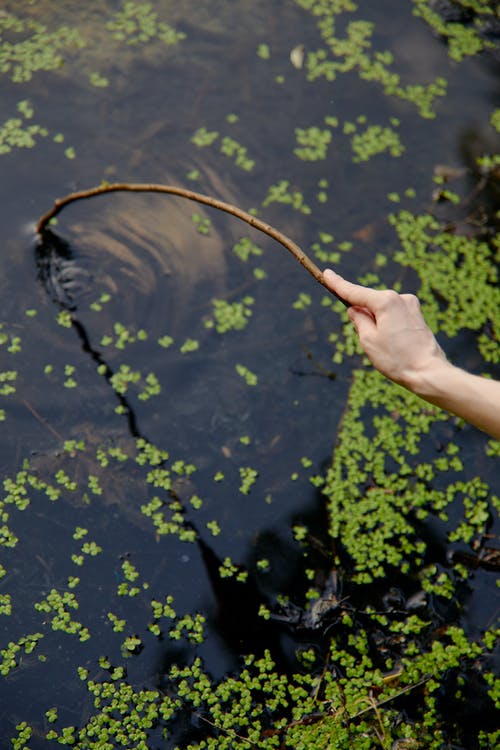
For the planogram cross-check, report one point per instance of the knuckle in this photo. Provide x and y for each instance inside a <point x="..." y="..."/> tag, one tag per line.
<point x="412" y="300"/>
<point x="390" y="296"/>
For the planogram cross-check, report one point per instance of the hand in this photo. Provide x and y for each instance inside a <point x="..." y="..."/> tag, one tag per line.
<point x="391" y="330"/>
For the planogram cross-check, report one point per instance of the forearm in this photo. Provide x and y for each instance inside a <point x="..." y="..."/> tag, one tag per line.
<point x="471" y="397"/>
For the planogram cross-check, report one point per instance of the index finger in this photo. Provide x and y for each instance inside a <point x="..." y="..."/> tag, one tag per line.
<point x="353" y="294"/>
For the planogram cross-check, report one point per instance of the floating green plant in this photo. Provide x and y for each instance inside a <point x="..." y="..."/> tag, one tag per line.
<point x="263" y="51"/>
<point x="463" y="274"/>
<point x="230" y="147"/>
<point x="27" y="47"/>
<point x="202" y="223"/>
<point x="304" y="300"/>
<point x="353" y="53"/>
<point x="380" y="679"/>
<point x="189" y="345"/>
<point x="58" y="605"/>
<point x="7" y="378"/>
<point x="248" y="478"/>
<point x="375" y="140"/>
<point x="230" y="316"/>
<point x="280" y="193"/>
<point x="123" y="336"/>
<point x="12" y="654"/>
<point x="463" y="41"/>
<point x="138" y="23"/>
<point x="249" y="377"/>
<point x="245" y="248"/>
<point x="17" y="133"/>
<point x="312" y="143"/>
<point x="97" y="80"/>
<point x="203" y="137"/>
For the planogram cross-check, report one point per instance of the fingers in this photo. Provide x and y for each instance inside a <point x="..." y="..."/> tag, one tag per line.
<point x="363" y="321"/>
<point x="354" y="294"/>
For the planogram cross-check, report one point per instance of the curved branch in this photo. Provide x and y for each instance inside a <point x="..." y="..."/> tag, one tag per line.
<point x="140" y="187"/>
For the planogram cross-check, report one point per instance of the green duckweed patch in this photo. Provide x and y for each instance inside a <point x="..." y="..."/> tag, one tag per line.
<point x="120" y="553"/>
<point x="353" y="52"/>
<point x="227" y="146"/>
<point x="462" y="40"/>
<point x="27" y="47"/>
<point x="230" y="316"/>
<point x="138" y="23"/>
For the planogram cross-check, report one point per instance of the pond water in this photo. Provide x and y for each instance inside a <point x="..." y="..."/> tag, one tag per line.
<point x="176" y="395"/>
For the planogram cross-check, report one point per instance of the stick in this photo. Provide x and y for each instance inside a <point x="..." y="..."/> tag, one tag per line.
<point x="140" y="187"/>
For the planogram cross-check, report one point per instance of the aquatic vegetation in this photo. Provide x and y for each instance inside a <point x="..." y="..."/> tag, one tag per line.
<point x="463" y="276"/>
<point x="249" y="377"/>
<point x="165" y="341"/>
<point x="228" y="146"/>
<point x="202" y="137"/>
<point x="189" y="345"/>
<point x="15" y="133"/>
<point x="230" y="316"/>
<point x="97" y="80"/>
<point x="123" y="336"/>
<point x="202" y="223"/>
<point x="312" y="143"/>
<point x="364" y="494"/>
<point x="58" y="605"/>
<point x="245" y="248"/>
<point x="263" y="51"/>
<point x="495" y="120"/>
<point x="138" y="23"/>
<point x="373" y="612"/>
<point x="27" y="47"/>
<point x="352" y="53"/>
<point x="304" y="300"/>
<point x="280" y="193"/>
<point x="375" y="140"/>
<point x="248" y="478"/>
<point x="462" y="40"/>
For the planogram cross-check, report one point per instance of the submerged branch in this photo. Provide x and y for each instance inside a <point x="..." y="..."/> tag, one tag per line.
<point x="229" y="208"/>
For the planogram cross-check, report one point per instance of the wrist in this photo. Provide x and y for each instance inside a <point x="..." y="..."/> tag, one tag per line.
<point x="432" y="382"/>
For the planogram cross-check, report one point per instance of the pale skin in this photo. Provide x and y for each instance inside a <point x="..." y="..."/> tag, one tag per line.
<point x="399" y="343"/>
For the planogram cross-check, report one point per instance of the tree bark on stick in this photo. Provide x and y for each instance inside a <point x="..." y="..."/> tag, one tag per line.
<point x="140" y="187"/>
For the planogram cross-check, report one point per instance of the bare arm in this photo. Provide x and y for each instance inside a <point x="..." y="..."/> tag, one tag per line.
<point x="398" y="342"/>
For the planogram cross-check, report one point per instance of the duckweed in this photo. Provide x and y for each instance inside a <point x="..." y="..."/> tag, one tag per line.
<point x="138" y="23"/>
<point x="245" y="248"/>
<point x="16" y="133"/>
<point x="280" y="193"/>
<point x="230" y="147"/>
<point x="386" y="664"/>
<point x="462" y="40"/>
<point x="375" y="140"/>
<point x="249" y="377"/>
<point x="248" y="478"/>
<point x="353" y="53"/>
<point x="27" y="47"/>
<point x="230" y="316"/>
<point x="312" y="143"/>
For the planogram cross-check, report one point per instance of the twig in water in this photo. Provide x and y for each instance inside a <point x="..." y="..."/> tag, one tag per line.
<point x="229" y="208"/>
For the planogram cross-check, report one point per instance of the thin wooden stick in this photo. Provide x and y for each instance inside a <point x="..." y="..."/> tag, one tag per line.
<point x="139" y="187"/>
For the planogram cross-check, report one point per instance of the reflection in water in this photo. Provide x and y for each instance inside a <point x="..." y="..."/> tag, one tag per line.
<point x="58" y="271"/>
<point x="161" y="276"/>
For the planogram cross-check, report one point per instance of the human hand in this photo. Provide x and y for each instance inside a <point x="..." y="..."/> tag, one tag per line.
<point x="391" y="330"/>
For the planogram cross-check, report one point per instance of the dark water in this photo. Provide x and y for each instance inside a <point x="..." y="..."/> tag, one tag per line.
<point x="162" y="275"/>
